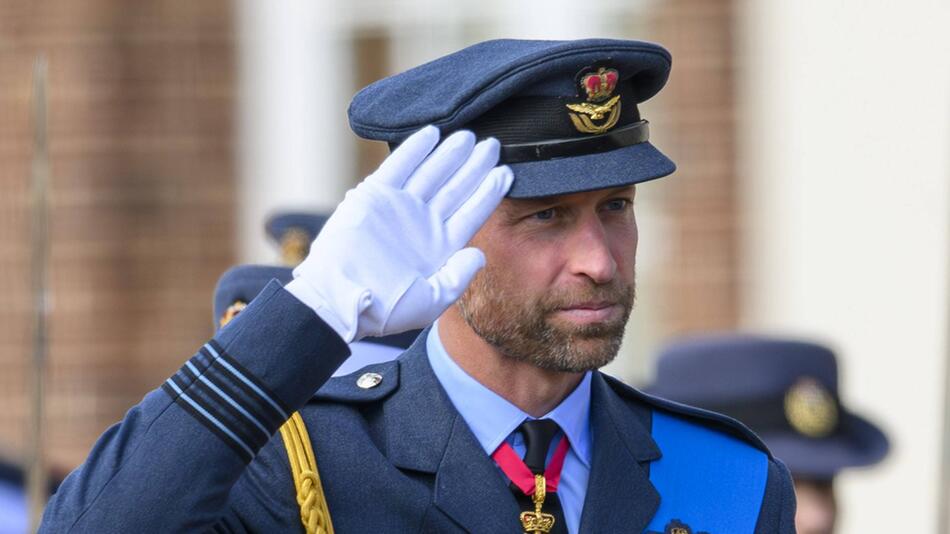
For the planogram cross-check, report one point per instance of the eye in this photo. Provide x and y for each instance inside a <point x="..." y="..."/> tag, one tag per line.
<point x="617" y="204"/>
<point x="544" y="215"/>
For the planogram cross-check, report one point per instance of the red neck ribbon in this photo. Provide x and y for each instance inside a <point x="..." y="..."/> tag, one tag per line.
<point x="516" y="470"/>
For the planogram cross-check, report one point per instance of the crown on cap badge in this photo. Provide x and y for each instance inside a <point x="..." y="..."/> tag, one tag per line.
<point x="600" y="105"/>
<point x="810" y="408"/>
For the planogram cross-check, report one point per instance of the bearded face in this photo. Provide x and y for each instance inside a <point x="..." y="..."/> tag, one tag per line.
<point x="530" y="328"/>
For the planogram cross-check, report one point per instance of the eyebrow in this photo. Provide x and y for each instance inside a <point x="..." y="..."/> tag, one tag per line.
<point x="530" y="203"/>
<point x="513" y="209"/>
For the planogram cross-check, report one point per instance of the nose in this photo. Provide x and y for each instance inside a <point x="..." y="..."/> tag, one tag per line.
<point x="589" y="252"/>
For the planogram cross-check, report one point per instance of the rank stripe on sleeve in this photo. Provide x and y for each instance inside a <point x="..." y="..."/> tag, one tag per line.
<point x="209" y="421"/>
<point x="227" y="399"/>
<point x="248" y="378"/>
<point x="225" y="414"/>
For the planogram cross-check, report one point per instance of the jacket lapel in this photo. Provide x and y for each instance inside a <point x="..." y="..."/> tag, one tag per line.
<point x="424" y="432"/>
<point x="620" y="496"/>
<point x="470" y="489"/>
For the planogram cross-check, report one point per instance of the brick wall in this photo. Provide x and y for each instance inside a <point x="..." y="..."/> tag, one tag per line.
<point x="141" y="107"/>
<point x="140" y="115"/>
<point x="701" y="282"/>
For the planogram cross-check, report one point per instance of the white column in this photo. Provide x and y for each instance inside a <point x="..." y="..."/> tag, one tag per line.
<point x="294" y="143"/>
<point x="549" y="19"/>
<point x="846" y="183"/>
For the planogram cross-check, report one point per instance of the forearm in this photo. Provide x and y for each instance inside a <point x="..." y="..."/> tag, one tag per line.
<point x="172" y="461"/>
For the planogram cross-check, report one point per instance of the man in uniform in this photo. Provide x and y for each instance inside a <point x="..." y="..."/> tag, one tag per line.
<point x="496" y="419"/>
<point x="787" y="392"/>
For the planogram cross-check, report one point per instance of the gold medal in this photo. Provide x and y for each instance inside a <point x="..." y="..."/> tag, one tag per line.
<point x="537" y="522"/>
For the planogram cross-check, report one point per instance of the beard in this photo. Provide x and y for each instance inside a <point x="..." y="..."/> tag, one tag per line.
<point x="522" y="327"/>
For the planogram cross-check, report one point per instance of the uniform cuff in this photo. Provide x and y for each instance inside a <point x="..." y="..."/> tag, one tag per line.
<point x="264" y="365"/>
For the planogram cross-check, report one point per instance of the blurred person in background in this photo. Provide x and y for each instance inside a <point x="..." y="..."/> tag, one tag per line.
<point x="13" y="507"/>
<point x="13" y="498"/>
<point x="786" y="391"/>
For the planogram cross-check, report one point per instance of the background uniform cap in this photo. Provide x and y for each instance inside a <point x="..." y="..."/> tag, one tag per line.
<point x="242" y="283"/>
<point x="786" y="391"/>
<point x="280" y="223"/>
<point x="565" y="111"/>
<point x="294" y="232"/>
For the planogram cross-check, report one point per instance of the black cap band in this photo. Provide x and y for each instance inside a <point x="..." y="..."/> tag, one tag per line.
<point x="638" y="132"/>
<point x="538" y="128"/>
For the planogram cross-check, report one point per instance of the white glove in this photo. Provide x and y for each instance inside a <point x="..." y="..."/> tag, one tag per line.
<point x="390" y="259"/>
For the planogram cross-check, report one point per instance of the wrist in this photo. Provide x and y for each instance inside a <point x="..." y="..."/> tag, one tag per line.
<point x="307" y="294"/>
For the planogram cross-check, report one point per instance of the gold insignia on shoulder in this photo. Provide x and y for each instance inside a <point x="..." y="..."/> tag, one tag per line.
<point x="294" y="246"/>
<point x="232" y="312"/>
<point x="810" y="408"/>
<point x="601" y="104"/>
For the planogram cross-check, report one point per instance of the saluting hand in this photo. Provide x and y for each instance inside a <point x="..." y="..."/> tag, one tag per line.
<point x="391" y="257"/>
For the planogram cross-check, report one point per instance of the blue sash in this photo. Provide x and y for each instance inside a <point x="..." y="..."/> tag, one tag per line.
<point x="708" y="481"/>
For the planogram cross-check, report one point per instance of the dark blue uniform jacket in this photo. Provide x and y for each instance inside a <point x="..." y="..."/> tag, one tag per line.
<point x="200" y="453"/>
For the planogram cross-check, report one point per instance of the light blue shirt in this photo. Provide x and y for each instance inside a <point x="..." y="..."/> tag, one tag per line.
<point x="494" y="420"/>
<point x="363" y="353"/>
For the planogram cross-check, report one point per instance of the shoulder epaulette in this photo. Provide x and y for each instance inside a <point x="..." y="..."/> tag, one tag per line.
<point x="369" y="384"/>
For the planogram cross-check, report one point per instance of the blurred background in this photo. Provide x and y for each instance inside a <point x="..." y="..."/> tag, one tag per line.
<point x="812" y="198"/>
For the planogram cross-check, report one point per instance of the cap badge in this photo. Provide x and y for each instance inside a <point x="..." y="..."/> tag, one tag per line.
<point x="231" y="312"/>
<point x="810" y="408"/>
<point x="601" y="104"/>
<point x="294" y="246"/>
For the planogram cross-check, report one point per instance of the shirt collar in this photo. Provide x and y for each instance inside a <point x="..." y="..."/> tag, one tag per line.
<point x="492" y="418"/>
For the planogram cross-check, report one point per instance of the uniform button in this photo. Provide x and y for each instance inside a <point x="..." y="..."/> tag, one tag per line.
<point x="369" y="380"/>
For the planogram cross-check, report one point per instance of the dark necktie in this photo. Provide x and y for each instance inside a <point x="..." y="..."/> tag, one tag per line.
<point x="538" y="435"/>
